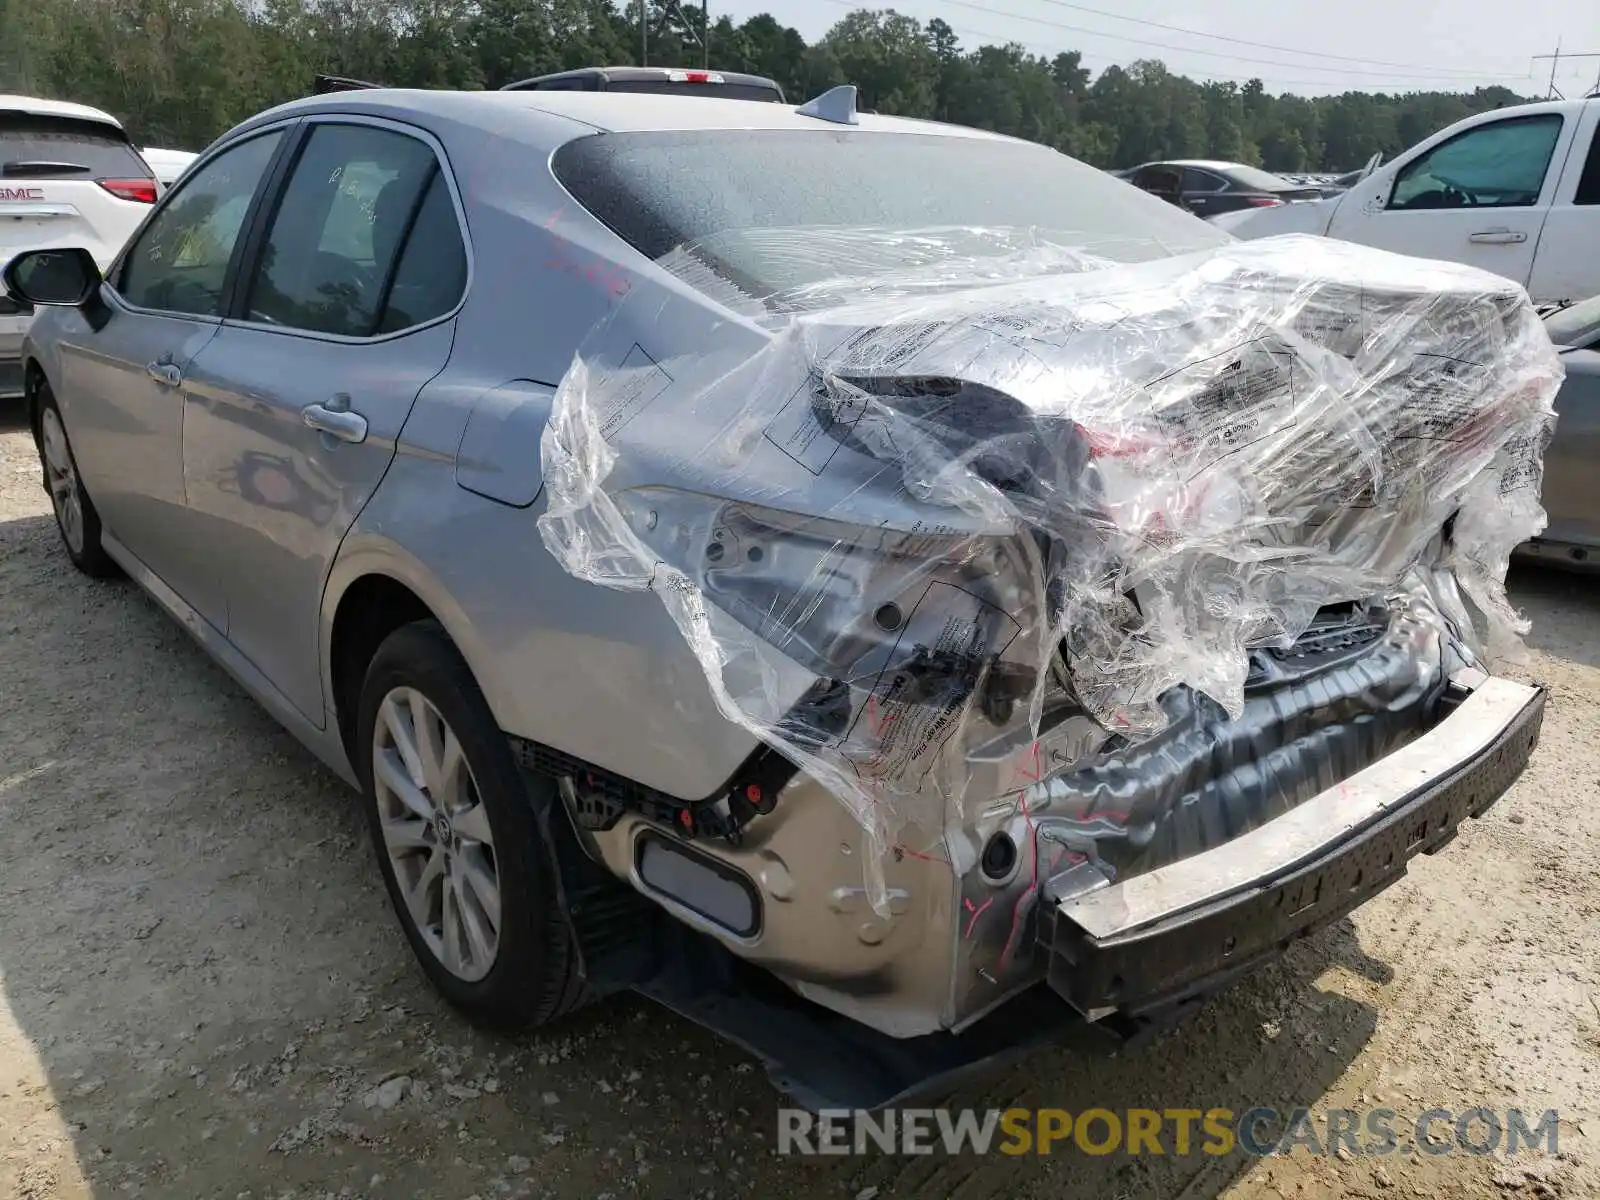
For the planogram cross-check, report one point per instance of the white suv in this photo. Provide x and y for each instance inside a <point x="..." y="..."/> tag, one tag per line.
<point x="68" y="177"/>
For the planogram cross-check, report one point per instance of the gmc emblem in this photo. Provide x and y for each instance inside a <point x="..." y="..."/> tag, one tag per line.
<point x="21" y="193"/>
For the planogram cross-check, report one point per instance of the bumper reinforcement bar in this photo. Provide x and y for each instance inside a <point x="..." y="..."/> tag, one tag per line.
<point x="1157" y="940"/>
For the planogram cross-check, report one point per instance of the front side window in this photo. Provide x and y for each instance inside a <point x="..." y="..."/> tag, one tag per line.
<point x="334" y="241"/>
<point x="180" y="261"/>
<point x="1499" y="165"/>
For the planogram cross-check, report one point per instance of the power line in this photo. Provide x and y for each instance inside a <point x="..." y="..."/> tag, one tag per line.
<point x="1396" y="81"/>
<point x="1120" y="37"/>
<point x="1221" y="37"/>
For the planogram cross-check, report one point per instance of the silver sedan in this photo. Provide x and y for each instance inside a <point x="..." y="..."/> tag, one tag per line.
<point x="304" y="408"/>
<point x="1572" y="463"/>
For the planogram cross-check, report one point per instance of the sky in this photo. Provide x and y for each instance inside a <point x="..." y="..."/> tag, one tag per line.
<point x="1311" y="47"/>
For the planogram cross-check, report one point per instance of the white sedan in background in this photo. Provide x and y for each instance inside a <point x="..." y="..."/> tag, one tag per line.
<point x="167" y="164"/>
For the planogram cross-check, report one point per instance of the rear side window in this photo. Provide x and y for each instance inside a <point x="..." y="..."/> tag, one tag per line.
<point x="664" y="190"/>
<point x="1589" y="184"/>
<point x="338" y="231"/>
<point x="432" y="272"/>
<point x="1202" y="181"/>
<point x="44" y="147"/>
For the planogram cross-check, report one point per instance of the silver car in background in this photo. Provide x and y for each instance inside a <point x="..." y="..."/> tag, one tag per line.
<point x="1572" y="463"/>
<point x="303" y="410"/>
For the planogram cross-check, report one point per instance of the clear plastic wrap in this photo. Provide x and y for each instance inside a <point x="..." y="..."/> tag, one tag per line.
<point x="942" y="483"/>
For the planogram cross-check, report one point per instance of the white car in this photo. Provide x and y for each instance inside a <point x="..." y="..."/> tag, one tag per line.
<point x="1515" y="191"/>
<point x="167" y="164"/>
<point x="68" y="177"/>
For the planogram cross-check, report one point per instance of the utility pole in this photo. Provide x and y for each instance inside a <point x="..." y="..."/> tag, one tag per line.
<point x="1555" y="61"/>
<point x="644" y="35"/>
<point x="1555" y="92"/>
<point x="705" y="33"/>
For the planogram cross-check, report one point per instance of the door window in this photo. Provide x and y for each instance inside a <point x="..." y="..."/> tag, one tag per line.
<point x="180" y="262"/>
<point x="1499" y="165"/>
<point x="338" y="232"/>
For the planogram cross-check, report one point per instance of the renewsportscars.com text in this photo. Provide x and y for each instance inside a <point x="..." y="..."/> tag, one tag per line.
<point x="1177" y="1131"/>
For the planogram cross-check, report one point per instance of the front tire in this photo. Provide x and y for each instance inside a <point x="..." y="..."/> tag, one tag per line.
<point x="453" y="826"/>
<point x="77" y="519"/>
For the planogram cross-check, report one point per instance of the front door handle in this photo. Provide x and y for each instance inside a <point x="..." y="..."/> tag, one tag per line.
<point x="1497" y="237"/>
<point x="165" y="373"/>
<point x="341" y="423"/>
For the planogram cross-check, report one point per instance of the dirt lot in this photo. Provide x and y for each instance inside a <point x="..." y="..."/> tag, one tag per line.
<point x="202" y="992"/>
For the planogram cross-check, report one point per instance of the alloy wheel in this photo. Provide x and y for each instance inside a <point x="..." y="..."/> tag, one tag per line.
<point x="62" y="478"/>
<point x="436" y="833"/>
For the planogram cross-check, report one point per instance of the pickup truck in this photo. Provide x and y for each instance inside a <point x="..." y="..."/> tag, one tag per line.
<point x="1515" y="191"/>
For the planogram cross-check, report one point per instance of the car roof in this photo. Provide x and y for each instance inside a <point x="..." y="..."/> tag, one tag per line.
<point x="605" y="112"/>
<point x="56" y="108"/>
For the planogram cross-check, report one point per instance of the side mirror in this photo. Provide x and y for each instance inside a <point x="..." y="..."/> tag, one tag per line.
<point x="64" y="278"/>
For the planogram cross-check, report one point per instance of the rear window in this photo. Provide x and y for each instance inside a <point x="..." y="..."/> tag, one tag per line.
<point x="661" y="191"/>
<point x="1261" y="180"/>
<point x="44" y="147"/>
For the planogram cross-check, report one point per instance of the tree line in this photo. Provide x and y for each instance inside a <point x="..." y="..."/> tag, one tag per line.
<point x="180" y="72"/>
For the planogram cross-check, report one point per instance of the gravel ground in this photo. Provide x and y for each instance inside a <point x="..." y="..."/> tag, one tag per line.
<point x="203" y="993"/>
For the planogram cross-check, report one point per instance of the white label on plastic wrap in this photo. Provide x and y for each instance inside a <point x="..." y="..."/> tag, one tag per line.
<point x="798" y="431"/>
<point x="1523" y="467"/>
<point x="1231" y="408"/>
<point x="1445" y="398"/>
<point x="912" y="711"/>
<point x="630" y="389"/>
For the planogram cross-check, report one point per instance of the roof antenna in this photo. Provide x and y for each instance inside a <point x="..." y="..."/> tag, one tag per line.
<point x="836" y="104"/>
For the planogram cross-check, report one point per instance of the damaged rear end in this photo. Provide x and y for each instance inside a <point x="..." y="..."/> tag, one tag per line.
<point x="1119" y="622"/>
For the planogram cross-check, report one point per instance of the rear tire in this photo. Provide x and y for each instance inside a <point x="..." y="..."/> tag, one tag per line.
<point x="453" y="826"/>
<point x="77" y="519"/>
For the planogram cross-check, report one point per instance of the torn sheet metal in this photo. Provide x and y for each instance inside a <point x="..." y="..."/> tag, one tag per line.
<point x="972" y="479"/>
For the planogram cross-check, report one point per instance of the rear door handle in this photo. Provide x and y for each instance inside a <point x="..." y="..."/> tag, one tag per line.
<point x="341" y="423"/>
<point x="1497" y="237"/>
<point x="165" y="373"/>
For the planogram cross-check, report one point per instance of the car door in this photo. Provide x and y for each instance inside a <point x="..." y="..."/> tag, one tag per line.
<point x="344" y="311"/>
<point x="1479" y="197"/>
<point x="122" y="385"/>
<point x="1567" y="264"/>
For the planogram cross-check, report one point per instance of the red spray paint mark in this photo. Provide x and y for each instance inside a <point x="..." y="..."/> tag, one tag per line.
<point x="976" y="913"/>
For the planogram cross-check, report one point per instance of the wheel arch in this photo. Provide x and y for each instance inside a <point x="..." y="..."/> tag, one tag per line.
<point x="33" y="381"/>
<point x="374" y="589"/>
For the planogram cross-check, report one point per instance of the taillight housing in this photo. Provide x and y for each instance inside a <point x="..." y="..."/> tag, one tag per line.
<point x="1264" y="202"/>
<point x="142" y="191"/>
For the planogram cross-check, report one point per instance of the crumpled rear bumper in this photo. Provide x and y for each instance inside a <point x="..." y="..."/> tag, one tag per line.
<point x="1158" y="939"/>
